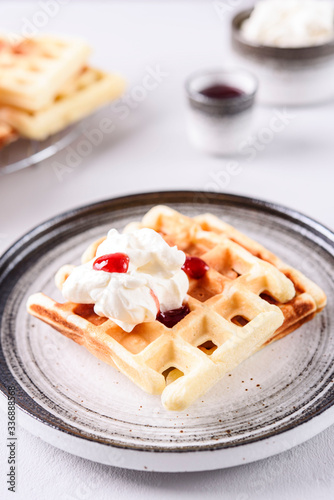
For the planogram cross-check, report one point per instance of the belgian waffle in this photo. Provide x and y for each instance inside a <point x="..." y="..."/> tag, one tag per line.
<point x="236" y="257"/>
<point x="201" y="235"/>
<point x="228" y="320"/>
<point x="84" y="93"/>
<point x="32" y="70"/>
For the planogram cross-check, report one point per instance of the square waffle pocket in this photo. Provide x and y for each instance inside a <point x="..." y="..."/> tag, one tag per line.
<point x="228" y="320"/>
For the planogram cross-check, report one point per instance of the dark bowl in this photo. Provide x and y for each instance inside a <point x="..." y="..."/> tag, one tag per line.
<point x="259" y="51"/>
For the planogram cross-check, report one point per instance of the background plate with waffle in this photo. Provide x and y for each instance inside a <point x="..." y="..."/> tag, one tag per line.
<point x="47" y="84"/>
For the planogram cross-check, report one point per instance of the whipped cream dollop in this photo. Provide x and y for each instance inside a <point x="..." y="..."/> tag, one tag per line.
<point x="154" y="279"/>
<point x="290" y="23"/>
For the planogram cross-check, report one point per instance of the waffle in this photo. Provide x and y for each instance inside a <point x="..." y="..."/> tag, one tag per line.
<point x="86" y="92"/>
<point x="34" y="69"/>
<point x="7" y="134"/>
<point x="228" y="320"/>
<point x="217" y="243"/>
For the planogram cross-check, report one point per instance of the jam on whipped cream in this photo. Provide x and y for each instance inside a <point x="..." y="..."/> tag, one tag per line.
<point x="290" y="23"/>
<point x="112" y="263"/>
<point x="134" y="277"/>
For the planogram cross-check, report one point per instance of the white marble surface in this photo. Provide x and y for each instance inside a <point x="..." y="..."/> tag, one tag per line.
<point x="148" y="150"/>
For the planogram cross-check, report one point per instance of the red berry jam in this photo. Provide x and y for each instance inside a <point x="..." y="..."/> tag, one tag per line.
<point x="195" y="267"/>
<point x="112" y="263"/>
<point x="221" y="91"/>
<point x="170" y="318"/>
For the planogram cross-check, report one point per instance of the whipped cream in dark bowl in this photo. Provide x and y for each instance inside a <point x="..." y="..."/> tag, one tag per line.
<point x="290" y="47"/>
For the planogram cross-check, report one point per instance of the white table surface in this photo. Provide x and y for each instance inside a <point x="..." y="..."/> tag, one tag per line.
<point x="147" y="151"/>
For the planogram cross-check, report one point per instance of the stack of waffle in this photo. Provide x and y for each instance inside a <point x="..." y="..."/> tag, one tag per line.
<point x="46" y="84"/>
<point x="247" y="299"/>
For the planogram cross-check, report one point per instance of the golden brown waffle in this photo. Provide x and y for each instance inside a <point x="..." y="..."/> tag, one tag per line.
<point x="86" y="92"/>
<point x="228" y="321"/>
<point x="213" y="240"/>
<point x="33" y="70"/>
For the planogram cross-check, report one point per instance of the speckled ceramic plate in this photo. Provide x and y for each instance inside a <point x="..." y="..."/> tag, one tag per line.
<point x="277" y="399"/>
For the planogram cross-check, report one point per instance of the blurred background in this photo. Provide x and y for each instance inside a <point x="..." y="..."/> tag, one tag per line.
<point x="147" y="148"/>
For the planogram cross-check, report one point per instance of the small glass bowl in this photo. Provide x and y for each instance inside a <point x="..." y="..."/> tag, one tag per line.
<point x="219" y="125"/>
<point x="288" y="76"/>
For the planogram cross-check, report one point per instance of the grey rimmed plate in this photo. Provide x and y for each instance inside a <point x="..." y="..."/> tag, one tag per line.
<point x="275" y="400"/>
